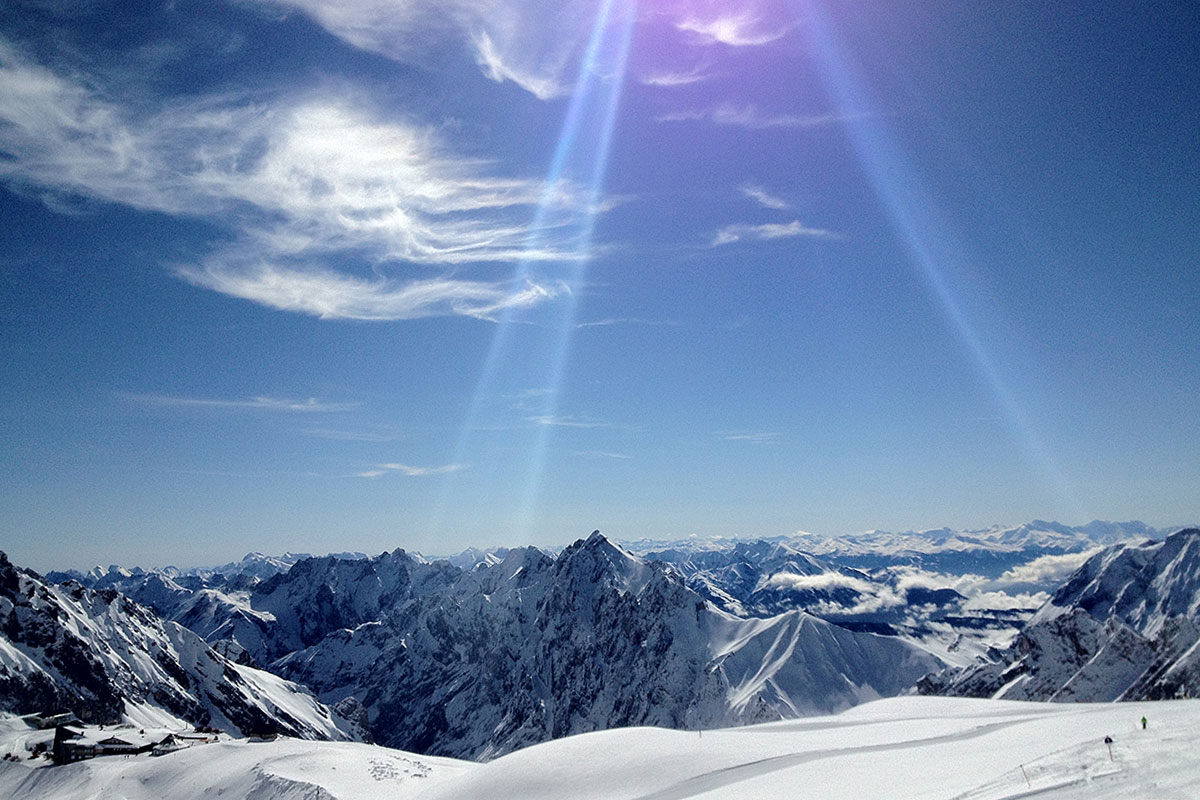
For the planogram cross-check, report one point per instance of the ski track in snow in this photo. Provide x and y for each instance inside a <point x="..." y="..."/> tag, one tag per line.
<point x="738" y="773"/>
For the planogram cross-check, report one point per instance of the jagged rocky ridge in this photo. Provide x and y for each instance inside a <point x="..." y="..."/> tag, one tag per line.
<point x="1126" y="626"/>
<point x="106" y="658"/>
<point x="475" y="664"/>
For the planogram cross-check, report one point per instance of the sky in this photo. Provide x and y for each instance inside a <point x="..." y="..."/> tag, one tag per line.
<point x="289" y="275"/>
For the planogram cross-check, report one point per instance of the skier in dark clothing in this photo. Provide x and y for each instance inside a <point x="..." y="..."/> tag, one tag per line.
<point x="1143" y="723"/>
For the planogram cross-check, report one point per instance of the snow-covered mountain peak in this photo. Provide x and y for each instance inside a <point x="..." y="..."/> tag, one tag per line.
<point x="597" y="561"/>
<point x="106" y="658"/>
<point x="1126" y="625"/>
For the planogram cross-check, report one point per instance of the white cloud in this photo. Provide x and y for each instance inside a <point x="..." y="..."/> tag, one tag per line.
<point x="1045" y="571"/>
<point x="368" y="435"/>
<point x="736" y="233"/>
<point x="820" y="581"/>
<point x="755" y="437"/>
<point x="603" y="454"/>
<point x="1019" y="587"/>
<point x="604" y="323"/>
<point x="761" y="196"/>
<point x="262" y="403"/>
<point x="741" y="28"/>
<point x="983" y="601"/>
<point x="411" y="472"/>
<point x="873" y="597"/>
<point x="751" y="117"/>
<point x="331" y="295"/>
<point x="304" y="182"/>
<point x="672" y="79"/>
<point x="568" y="422"/>
<point x="495" y="67"/>
<point x="530" y="42"/>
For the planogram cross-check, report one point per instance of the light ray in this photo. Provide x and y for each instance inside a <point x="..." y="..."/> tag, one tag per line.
<point x="588" y="94"/>
<point x="566" y="326"/>
<point x="926" y="236"/>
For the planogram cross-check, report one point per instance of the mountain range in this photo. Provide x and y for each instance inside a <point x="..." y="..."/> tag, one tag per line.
<point x="493" y="650"/>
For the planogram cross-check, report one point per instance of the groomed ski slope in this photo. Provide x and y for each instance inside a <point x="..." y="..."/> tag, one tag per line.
<point x="899" y="749"/>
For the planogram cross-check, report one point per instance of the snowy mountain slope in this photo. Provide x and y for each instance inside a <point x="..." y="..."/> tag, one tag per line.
<point x="105" y="657"/>
<point x="1126" y="626"/>
<point x="897" y="749"/>
<point x="900" y="749"/>
<point x="534" y="648"/>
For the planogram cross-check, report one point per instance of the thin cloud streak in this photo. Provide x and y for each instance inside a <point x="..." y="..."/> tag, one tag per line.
<point x="309" y="405"/>
<point x="764" y="198"/>
<point x="669" y="80"/>
<point x="409" y="471"/>
<point x="603" y="454"/>
<point x="748" y="436"/>
<point x="330" y="295"/>
<point x="568" y="422"/>
<point x="604" y="323"/>
<point x="736" y="233"/>
<point x="751" y="117"/>
<point x="336" y="435"/>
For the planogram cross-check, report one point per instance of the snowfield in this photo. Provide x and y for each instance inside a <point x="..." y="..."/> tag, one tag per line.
<point x="900" y="748"/>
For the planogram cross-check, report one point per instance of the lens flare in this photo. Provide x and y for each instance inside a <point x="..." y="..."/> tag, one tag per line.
<point x="583" y="147"/>
<point x="913" y="212"/>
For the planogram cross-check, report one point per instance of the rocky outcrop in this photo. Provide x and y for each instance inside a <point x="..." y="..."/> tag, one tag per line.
<point x="1125" y="626"/>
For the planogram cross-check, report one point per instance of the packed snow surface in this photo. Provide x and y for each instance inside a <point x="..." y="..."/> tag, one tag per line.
<point x="900" y="748"/>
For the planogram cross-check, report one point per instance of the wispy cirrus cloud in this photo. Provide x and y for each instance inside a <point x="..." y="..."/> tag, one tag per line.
<point x="603" y="454"/>
<point x="569" y="421"/>
<point x="771" y="230"/>
<point x="499" y="68"/>
<point x="753" y="437"/>
<point x="764" y="198"/>
<point x="409" y="471"/>
<point x="734" y="28"/>
<point x="378" y="435"/>
<point x="331" y="295"/>
<point x="532" y="43"/>
<point x="750" y="117"/>
<point x="604" y="323"/>
<point x="310" y="405"/>
<point x="298" y="183"/>
<point x="668" y="79"/>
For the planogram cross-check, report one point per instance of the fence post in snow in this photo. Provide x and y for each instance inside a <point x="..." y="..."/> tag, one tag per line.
<point x="1023" y="772"/>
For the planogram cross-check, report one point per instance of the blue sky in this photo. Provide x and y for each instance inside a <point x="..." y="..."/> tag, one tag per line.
<point x="309" y="276"/>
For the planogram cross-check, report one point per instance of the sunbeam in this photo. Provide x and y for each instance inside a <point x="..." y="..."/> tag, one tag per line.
<point x="913" y="211"/>
<point x="608" y="104"/>
<point x="595" y="96"/>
